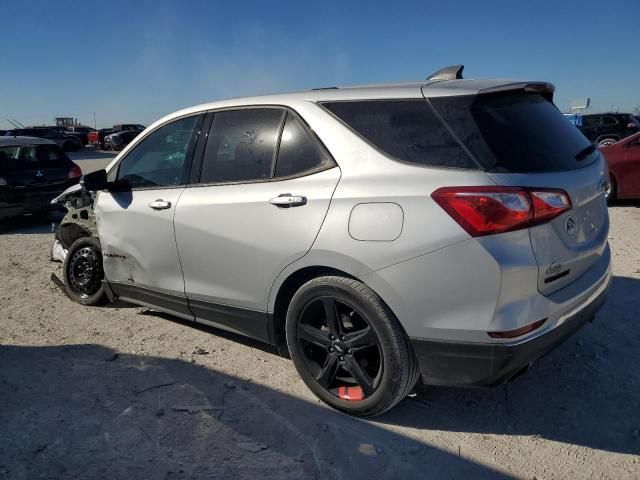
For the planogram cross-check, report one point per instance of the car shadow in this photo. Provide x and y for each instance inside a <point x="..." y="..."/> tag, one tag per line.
<point x="85" y="411"/>
<point x="36" y="223"/>
<point x="582" y="393"/>
<point x="586" y="392"/>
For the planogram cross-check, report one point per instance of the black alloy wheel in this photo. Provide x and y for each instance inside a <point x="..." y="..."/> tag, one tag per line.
<point x="341" y="348"/>
<point x="348" y="346"/>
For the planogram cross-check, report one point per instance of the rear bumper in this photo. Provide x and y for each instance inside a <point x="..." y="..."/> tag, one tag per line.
<point x="450" y="363"/>
<point x="29" y="200"/>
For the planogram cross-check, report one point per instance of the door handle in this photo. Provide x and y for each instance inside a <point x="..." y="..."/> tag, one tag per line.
<point x="287" y="200"/>
<point x="160" y="204"/>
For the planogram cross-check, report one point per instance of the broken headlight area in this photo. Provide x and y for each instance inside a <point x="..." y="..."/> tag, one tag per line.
<point x="79" y="222"/>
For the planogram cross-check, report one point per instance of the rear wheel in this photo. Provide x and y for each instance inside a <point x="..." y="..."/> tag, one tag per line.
<point x="348" y="346"/>
<point x="83" y="272"/>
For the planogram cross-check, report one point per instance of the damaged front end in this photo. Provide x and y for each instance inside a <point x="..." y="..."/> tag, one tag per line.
<point x="79" y="221"/>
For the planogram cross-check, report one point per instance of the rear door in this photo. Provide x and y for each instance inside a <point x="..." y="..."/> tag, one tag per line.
<point x="135" y="221"/>
<point x="521" y="139"/>
<point x="247" y="216"/>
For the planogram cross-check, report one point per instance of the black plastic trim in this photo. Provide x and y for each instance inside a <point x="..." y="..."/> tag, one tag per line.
<point x="459" y="364"/>
<point x="164" y="301"/>
<point x="252" y="323"/>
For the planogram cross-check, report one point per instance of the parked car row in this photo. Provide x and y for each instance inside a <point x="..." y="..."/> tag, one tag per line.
<point x="58" y="135"/>
<point x="115" y="138"/>
<point x="618" y="136"/>
<point x="75" y="137"/>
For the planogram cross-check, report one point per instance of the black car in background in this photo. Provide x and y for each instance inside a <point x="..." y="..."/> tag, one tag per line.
<point x="68" y="142"/>
<point x="33" y="171"/>
<point x="118" y="140"/>
<point x="608" y="128"/>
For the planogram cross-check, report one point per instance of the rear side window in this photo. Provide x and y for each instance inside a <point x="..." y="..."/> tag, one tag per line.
<point x="298" y="151"/>
<point x="241" y="145"/>
<point x="516" y="132"/>
<point x="407" y="130"/>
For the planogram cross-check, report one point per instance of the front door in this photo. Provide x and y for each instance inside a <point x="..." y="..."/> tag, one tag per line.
<point x="135" y="220"/>
<point x="251" y="214"/>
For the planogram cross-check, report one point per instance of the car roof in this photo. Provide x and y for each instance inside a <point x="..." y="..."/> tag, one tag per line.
<point x="402" y="90"/>
<point x="11" y="141"/>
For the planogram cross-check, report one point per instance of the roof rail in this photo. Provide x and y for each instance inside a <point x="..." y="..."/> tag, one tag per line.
<point x="448" y="73"/>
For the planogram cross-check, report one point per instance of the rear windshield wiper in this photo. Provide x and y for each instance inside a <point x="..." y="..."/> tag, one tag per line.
<point x="585" y="152"/>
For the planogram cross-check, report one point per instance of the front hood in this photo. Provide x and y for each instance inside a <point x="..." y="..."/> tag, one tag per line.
<point x="68" y="192"/>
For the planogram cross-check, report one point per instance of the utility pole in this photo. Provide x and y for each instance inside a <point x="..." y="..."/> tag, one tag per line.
<point x="95" y="125"/>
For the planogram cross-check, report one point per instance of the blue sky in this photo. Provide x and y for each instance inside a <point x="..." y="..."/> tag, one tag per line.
<point x="135" y="61"/>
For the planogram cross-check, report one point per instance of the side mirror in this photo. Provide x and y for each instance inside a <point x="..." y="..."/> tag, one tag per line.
<point x="94" y="181"/>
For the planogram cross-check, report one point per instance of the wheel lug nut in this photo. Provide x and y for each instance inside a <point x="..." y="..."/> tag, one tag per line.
<point x="342" y="337"/>
<point x="331" y="349"/>
<point x="331" y="337"/>
<point x="349" y="351"/>
<point x="342" y="359"/>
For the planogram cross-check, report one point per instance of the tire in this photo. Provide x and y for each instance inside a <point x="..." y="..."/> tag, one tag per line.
<point x="87" y="290"/>
<point x="612" y="192"/>
<point x="607" y="141"/>
<point x="389" y="364"/>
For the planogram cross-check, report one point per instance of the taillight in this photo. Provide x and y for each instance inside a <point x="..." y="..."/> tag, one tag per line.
<point x="75" y="172"/>
<point x="489" y="210"/>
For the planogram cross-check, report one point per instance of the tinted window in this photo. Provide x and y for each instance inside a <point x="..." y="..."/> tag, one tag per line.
<point x="515" y="132"/>
<point x="609" y="121"/>
<point x="241" y="145"/>
<point x="159" y="159"/>
<point x="589" y="121"/>
<point x="298" y="151"/>
<point x="405" y="129"/>
<point x="33" y="156"/>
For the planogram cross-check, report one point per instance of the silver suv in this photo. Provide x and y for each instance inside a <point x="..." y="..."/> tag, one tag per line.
<point x="448" y="229"/>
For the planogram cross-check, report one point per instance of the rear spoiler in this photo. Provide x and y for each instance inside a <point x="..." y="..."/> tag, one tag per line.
<point x="543" y="88"/>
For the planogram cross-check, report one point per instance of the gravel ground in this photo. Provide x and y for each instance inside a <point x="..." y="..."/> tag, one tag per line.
<point x="125" y="392"/>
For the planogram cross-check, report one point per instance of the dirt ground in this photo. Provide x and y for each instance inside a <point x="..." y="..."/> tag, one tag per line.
<point x="126" y="392"/>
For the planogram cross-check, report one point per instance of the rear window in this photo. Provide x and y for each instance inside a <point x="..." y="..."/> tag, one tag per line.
<point x="32" y="156"/>
<point x="407" y="130"/>
<point x="516" y="132"/>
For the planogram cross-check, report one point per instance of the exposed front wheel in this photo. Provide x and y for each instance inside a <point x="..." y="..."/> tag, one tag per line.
<point x="348" y="347"/>
<point x="83" y="272"/>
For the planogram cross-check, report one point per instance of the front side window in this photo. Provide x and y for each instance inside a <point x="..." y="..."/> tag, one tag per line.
<point x="241" y="145"/>
<point x="298" y="151"/>
<point x="159" y="160"/>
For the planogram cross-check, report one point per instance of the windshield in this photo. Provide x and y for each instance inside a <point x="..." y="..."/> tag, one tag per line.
<point x="516" y="132"/>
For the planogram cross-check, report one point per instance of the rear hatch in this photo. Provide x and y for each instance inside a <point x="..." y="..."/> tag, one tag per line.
<point x="521" y="139"/>
<point x="34" y="169"/>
